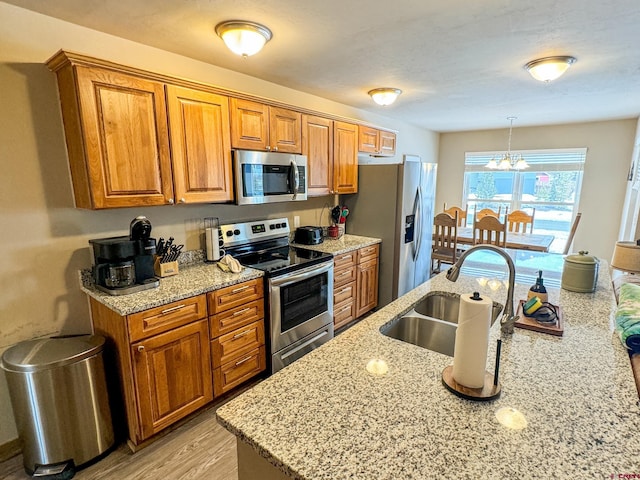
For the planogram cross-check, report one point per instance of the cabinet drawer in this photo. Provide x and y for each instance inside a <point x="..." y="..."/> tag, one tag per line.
<point x="344" y="275"/>
<point x="344" y="260"/>
<point x="344" y="292"/>
<point x="235" y="295"/>
<point x="233" y="373"/>
<point x="231" y="345"/>
<point x="343" y="313"/>
<point x="237" y="317"/>
<point x="161" y="319"/>
<point x="368" y="253"/>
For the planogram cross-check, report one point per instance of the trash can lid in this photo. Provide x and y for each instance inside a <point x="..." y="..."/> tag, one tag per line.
<point x="43" y="353"/>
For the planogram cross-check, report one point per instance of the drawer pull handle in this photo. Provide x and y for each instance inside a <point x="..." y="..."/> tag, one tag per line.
<point x="241" y="289"/>
<point x="240" y="362"/>
<point x="345" y="257"/>
<point x="344" y="290"/>
<point x="240" y="312"/>
<point x="172" y="309"/>
<point x="241" y="334"/>
<point x="344" y="309"/>
<point x="346" y="272"/>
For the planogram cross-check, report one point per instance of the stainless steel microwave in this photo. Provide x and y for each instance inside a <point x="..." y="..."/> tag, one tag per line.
<point x="267" y="177"/>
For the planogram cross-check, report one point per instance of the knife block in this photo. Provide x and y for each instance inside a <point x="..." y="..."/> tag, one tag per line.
<point x="166" y="269"/>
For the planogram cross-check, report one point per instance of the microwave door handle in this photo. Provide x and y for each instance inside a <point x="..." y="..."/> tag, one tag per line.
<point x="296" y="178"/>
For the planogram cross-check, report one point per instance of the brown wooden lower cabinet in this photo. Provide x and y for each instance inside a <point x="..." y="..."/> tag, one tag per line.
<point x="172" y="376"/>
<point x="169" y="361"/>
<point x="237" y="334"/>
<point x="355" y="284"/>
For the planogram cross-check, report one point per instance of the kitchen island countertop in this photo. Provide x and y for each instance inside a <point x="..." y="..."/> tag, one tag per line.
<point x="325" y="417"/>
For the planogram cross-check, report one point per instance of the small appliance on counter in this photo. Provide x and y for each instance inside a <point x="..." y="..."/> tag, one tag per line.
<point x="308" y="235"/>
<point x="123" y="265"/>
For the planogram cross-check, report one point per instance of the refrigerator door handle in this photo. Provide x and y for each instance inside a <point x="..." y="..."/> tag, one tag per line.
<point x="418" y="223"/>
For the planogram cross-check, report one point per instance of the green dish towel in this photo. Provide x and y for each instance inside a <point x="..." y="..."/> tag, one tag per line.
<point x="628" y="316"/>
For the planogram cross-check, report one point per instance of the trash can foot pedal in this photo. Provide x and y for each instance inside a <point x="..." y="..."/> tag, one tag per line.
<point x="55" y="471"/>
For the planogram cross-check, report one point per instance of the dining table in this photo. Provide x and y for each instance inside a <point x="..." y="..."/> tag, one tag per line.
<point x="517" y="240"/>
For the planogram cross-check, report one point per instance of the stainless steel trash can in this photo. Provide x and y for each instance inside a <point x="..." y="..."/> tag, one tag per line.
<point x="59" y="396"/>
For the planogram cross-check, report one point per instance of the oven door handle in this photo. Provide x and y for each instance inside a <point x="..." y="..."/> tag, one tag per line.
<point x="305" y="344"/>
<point x="295" y="178"/>
<point x="303" y="274"/>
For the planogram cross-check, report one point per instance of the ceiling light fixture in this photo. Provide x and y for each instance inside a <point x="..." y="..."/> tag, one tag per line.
<point x="508" y="161"/>
<point x="549" y="68"/>
<point x="243" y="38"/>
<point x="384" y="96"/>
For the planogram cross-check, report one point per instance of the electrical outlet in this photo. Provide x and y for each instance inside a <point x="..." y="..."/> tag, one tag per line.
<point x="296" y="221"/>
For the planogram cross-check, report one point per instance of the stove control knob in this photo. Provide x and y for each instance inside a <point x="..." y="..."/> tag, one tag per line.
<point x="272" y="226"/>
<point x="236" y="232"/>
<point x="229" y="233"/>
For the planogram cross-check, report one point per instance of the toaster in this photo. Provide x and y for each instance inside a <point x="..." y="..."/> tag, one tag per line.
<point x="308" y="235"/>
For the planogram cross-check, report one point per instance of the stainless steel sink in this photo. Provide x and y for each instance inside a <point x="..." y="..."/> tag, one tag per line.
<point x="432" y="323"/>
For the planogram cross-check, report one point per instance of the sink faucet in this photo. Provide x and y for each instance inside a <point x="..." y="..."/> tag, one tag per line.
<point x="508" y="317"/>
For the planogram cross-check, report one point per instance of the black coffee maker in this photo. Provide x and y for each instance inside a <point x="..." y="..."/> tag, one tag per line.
<point x="124" y="265"/>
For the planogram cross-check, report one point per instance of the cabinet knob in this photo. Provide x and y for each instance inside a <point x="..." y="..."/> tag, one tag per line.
<point x="275" y="149"/>
<point x="268" y="147"/>
<point x="182" y="200"/>
<point x="170" y="201"/>
<point x="141" y="348"/>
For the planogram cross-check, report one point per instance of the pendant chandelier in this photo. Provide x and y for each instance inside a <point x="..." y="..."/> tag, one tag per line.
<point x="508" y="161"/>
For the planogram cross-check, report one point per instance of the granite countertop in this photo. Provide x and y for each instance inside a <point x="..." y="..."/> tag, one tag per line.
<point x="344" y="244"/>
<point x="325" y="417"/>
<point x="192" y="280"/>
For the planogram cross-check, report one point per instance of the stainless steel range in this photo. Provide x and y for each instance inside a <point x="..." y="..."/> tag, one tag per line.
<point x="298" y="282"/>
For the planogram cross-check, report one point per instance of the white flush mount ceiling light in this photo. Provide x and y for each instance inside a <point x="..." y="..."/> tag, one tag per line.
<point x="384" y="96"/>
<point x="243" y="38"/>
<point x="508" y="161"/>
<point x="549" y="68"/>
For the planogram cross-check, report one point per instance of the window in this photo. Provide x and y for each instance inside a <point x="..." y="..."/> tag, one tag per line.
<point x="551" y="185"/>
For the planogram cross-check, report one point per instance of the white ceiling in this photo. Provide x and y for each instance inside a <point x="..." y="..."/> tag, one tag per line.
<point x="459" y="62"/>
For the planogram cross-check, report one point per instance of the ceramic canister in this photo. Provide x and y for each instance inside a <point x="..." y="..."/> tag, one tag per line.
<point x="580" y="272"/>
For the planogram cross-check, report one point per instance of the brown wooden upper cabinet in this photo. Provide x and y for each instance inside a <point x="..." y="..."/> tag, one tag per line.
<point x="376" y="142"/>
<point x="332" y="156"/>
<point x="345" y="157"/>
<point x="256" y="126"/>
<point x="200" y="145"/>
<point x="117" y="138"/>
<point x="118" y="128"/>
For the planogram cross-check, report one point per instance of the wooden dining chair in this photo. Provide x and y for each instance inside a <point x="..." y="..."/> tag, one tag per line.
<point x="486" y="212"/>
<point x="462" y="214"/>
<point x="489" y="230"/>
<point x="572" y="233"/>
<point x="518" y="221"/>
<point x="445" y="240"/>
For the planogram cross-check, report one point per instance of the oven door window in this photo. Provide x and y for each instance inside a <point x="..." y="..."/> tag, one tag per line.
<point x="303" y="300"/>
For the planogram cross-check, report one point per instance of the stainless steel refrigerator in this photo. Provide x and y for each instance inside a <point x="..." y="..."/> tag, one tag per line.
<point x="396" y="203"/>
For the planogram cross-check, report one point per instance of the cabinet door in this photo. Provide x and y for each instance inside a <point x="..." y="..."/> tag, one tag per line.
<point x="387" y="143"/>
<point x="367" y="286"/>
<point x="126" y="141"/>
<point x="368" y="140"/>
<point x="249" y="124"/>
<point x="285" y="130"/>
<point x="345" y="158"/>
<point x="172" y="376"/>
<point x="200" y="145"/>
<point x="317" y="145"/>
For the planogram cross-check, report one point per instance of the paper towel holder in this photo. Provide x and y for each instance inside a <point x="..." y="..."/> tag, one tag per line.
<point x="489" y="391"/>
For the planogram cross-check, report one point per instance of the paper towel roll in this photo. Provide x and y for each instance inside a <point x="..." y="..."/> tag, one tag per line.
<point x="472" y="340"/>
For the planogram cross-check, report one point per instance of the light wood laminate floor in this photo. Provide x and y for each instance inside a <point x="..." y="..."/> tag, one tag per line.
<point x="198" y="449"/>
